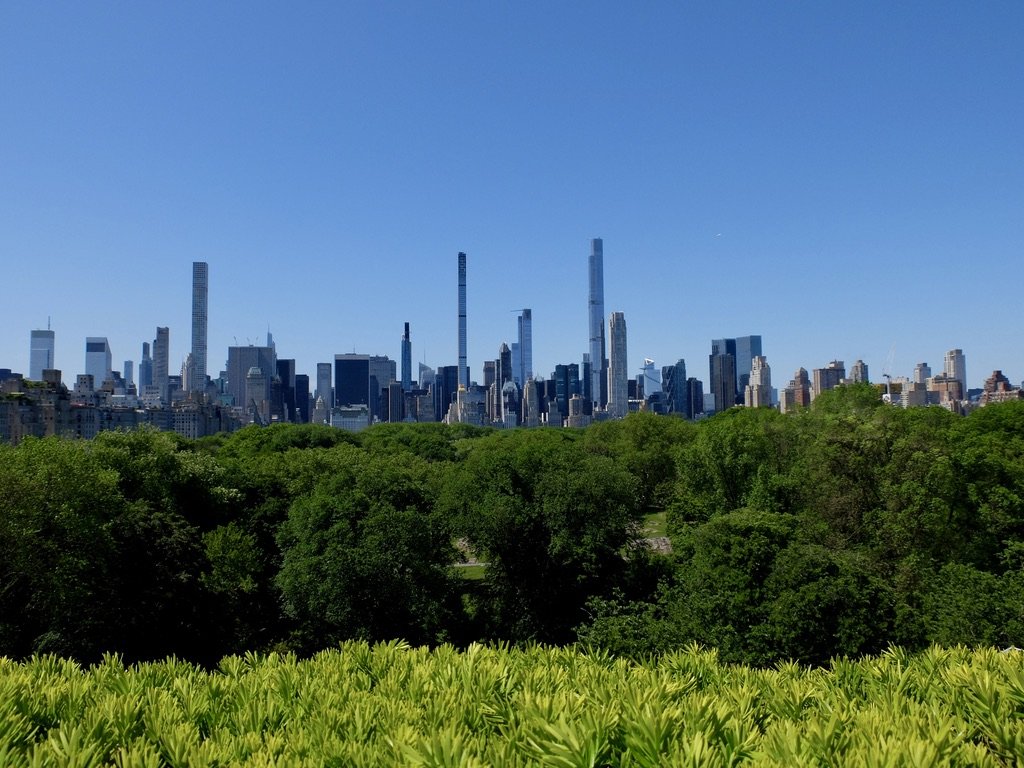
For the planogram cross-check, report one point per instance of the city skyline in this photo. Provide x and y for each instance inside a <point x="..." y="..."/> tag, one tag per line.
<point x="742" y="350"/>
<point x="845" y="182"/>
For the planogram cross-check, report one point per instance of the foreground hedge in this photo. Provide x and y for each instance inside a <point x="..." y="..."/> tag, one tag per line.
<point x="391" y="704"/>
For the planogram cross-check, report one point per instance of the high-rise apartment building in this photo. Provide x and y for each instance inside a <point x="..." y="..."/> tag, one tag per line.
<point x="97" y="359"/>
<point x="829" y="377"/>
<point x="955" y="367"/>
<point x="595" y="306"/>
<point x="797" y="394"/>
<point x="406" y="361"/>
<point x="40" y="353"/>
<point x="463" y="362"/>
<point x="859" y="372"/>
<point x="758" y="391"/>
<point x="618" y="370"/>
<point x="161" y="362"/>
<point x="200" y="288"/>
<point x="525" y="369"/>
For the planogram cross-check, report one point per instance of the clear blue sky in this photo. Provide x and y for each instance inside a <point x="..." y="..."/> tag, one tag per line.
<point x="846" y="180"/>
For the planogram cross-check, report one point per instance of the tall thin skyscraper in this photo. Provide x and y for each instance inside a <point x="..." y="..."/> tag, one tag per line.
<point x="40" y="354"/>
<point x="200" y="287"/>
<point x="618" y="371"/>
<point x="161" y="359"/>
<point x="406" y="361"/>
<point x="598" y="356"/>
<point x="525" y="372"/>
<point x="145" y="368"/>
<point x="463" y="365"/>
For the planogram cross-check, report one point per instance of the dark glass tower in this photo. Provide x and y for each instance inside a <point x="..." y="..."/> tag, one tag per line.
<point x="200" y="289"/>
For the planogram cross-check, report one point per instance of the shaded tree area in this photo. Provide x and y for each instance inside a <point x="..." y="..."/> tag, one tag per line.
<point x="841" y="529"/>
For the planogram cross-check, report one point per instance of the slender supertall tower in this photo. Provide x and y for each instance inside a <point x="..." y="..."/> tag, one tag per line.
<point x="200" y="286"/>
<point x="463" y="365"/>
<point x="406" y="361"/>
<point x="618" y="371"/>
<point x="525" y="372"/>
<point x="598" y="355"/>
<point x="161" y="360"/>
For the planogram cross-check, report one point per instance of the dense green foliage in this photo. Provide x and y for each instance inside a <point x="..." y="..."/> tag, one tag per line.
<point x="390" y="704"/>
<point x="840" y="530"/>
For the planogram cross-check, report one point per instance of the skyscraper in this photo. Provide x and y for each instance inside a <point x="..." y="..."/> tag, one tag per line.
<point x="463" y="365"/>
<point x="618" y="371"/>
<point x="721" y="389"/>
<point x="240" y="360"/>
<point x="161" y="359"/>
<point x="922" y="372"/>
<point x="323" y="384"/>
<point x="955" y="367"/>
<point x="829" y="377"/>
<point x="145" y="368"/>
<point x="723" y="380"/>
<point x="40" y="354"/>
<point x="595" y="306"/>
<point x="97" y="359"/>
<point x="200" y="285"/>
<point x="859" y="372"/>
<point x="302" y="398"/>
<point x="758" y="391"/>
<point x="525" y="371"/>
<point x="352" y="381"/>
<point x="406" y="361"/>
<point x="743" y="350"/>
<point x="673" y="384"/>
<point x="747" y="348"/>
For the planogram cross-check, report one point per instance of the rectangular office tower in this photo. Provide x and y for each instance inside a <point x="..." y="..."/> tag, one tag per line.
<point x="595" y="309"/>
<point x="463" y="365"/>
<point x="40" y="354"/>
<point x="97" y="359"/>
<point x="200" y="286"/>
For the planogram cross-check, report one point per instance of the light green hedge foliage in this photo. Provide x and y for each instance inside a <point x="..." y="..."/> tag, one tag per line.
<point x="391" y="704"/>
